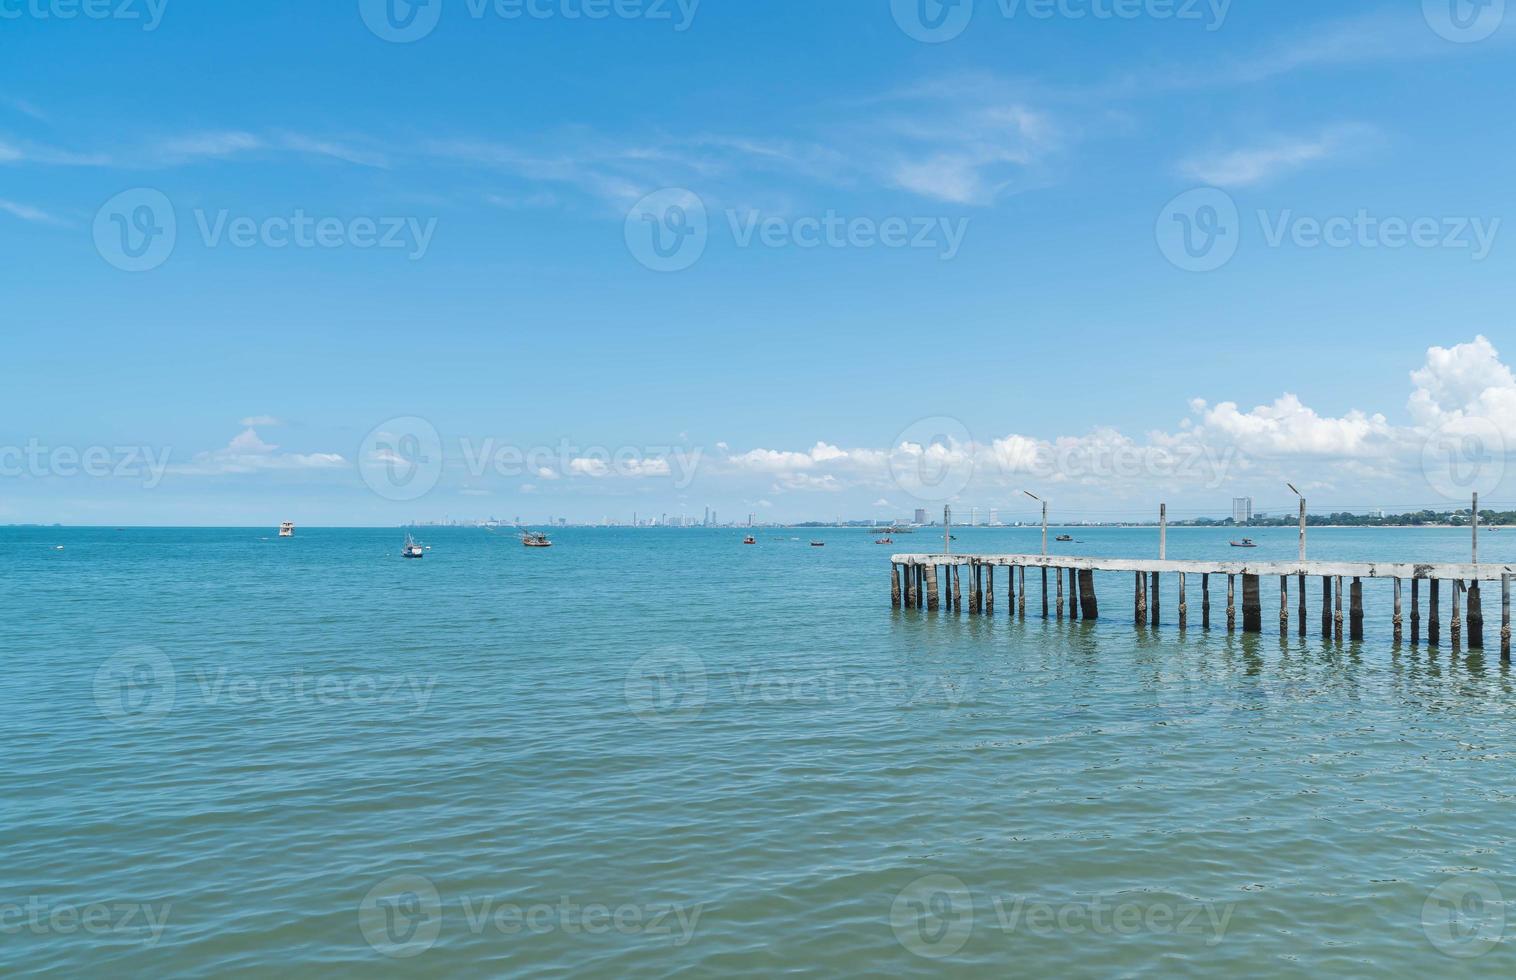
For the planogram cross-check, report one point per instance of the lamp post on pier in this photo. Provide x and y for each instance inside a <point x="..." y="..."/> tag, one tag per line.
<point x="1302" y="520"/>
<point x="1044" y="518"/>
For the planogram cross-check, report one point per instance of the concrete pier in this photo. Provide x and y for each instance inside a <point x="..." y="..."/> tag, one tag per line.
<point x="914" y="584"/>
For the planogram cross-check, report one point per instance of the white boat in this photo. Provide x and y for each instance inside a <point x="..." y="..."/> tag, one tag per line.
<point x="412" y="549"/>
<point x="287" y="529"/>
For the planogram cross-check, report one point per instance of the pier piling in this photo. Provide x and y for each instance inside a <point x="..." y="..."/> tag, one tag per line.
<point x="1284" y="605"/>
<point x="1140" y="599"/>
<point x="1044" y="588"/>
<point x="1397" y="612"/>
<point x="1300" y="581"/>
<point x="957" y="595"/>
<point x="894" y="585"/>
<point x="1153" y="599"/>
<point x="989" y="590"/>
<point x="1415" y="612"/>
<point x="1326" y="607"/>
<point x="1089" y="607"/>
<point x="1337" y="612"/>
<point x="1184" y="608"/>
<point x="1355" y="611"/>
<point x="1434" y="623"/>
<point x="1252" y="607"/>
<point x="1058" y="585"/>
<point x="1505" y="618"/>
<point x="1074" y="597"/>
<point x="1205" y="600"/>
<point x="1476" y="617"/>
<point x="1455" y="625"/>
<point x="931" y="589"/>
<point x="1231" y="603"/>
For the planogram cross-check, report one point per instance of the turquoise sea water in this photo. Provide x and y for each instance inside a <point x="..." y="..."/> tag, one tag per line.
<point x="650" y="752"/>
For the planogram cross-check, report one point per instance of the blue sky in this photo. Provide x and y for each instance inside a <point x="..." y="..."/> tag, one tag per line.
<point x="914" y="270"/>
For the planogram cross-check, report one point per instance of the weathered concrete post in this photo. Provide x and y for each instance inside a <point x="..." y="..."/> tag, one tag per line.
<point x="1415" y="611"/>
<point x="1044" y="592"/>
<point x="1476" y="617"/>
<point x="974" y="584"/>
<point x="1073" y="594"/>
<point x="1231" y="603"/>
<point x="1140" y="599"/>
<point x="908" y="572"/>
<point x="1300" y="581"/>
<point x="1326" y="607"/>
<point x="1505" y="618"/>
<point x="1252" y="606"/>
<point x="1088" y="606"/>
<point x="957" y="595"/>
<point x="1434" y="615"/>
<point x="1021" y="595"/>
<point x="1284" y="605"/>
<point x="1355" y="611"/>
<point x="1058" y="585"/>
<point x="1455" y="624"/>
<point x="989" y="590"/>
<point x="1153" y="597"/>
<point x="921" y="577"/>
<point x="1397" y="612"/>
<point x="894" y="586"/>
<point x="1184" y="607"/>
<point x="931" y="588"/>
<point x="1010" y="596"/>
<point x="1205" y="601"/>
<point x="1337" y="612"/>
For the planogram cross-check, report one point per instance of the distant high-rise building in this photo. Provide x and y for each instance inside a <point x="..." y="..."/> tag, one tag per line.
<point x="994" y="516"/>
<point x="1242" y="510"/>
<point x="920" y="515"/>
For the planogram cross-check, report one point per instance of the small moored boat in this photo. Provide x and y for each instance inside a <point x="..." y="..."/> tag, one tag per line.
<point x="535" y="539"/>
<point x="749" y="540"/>
<point x="818" y="544"/>
<point x="1244" y="543"/>
<point x="884" y="540"/>
<point x="412" y="549"/>
<point x="287" y="529"/>
<point x="1064" y="537"/>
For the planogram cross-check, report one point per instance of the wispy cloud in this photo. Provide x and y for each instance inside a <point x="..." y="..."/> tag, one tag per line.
<point x="248" y="453"/>
<point x="28" y="213"/>
<point x="1265" y="161"/>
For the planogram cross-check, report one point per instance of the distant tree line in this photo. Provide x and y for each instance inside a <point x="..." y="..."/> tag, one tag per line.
<point x="1345" y="519"/>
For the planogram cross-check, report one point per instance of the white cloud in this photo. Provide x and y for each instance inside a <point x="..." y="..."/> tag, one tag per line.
<point x="1274" y="158"/>
<point x="28" y="213"/>
<point x="264" y="420"/>
<point x="248" y="453"/>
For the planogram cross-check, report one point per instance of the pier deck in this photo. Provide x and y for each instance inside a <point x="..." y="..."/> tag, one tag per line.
<point x="914" y="583"/>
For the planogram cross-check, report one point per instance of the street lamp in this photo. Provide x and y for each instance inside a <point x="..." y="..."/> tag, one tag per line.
<point x="1302" y="520"/>
<point x="1044" y="518"/>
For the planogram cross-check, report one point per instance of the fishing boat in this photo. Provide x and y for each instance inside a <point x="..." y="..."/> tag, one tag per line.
<point x="412" y="549"/>
<point x="749" y="540"/>
<point x="1064" y="537"/>
<point x="818" y="544"/>
<point x="885" y="540"/>
<point x="287" y="529"/>
<point x="1244" y="543"/>
<point x="535" y="539"/>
